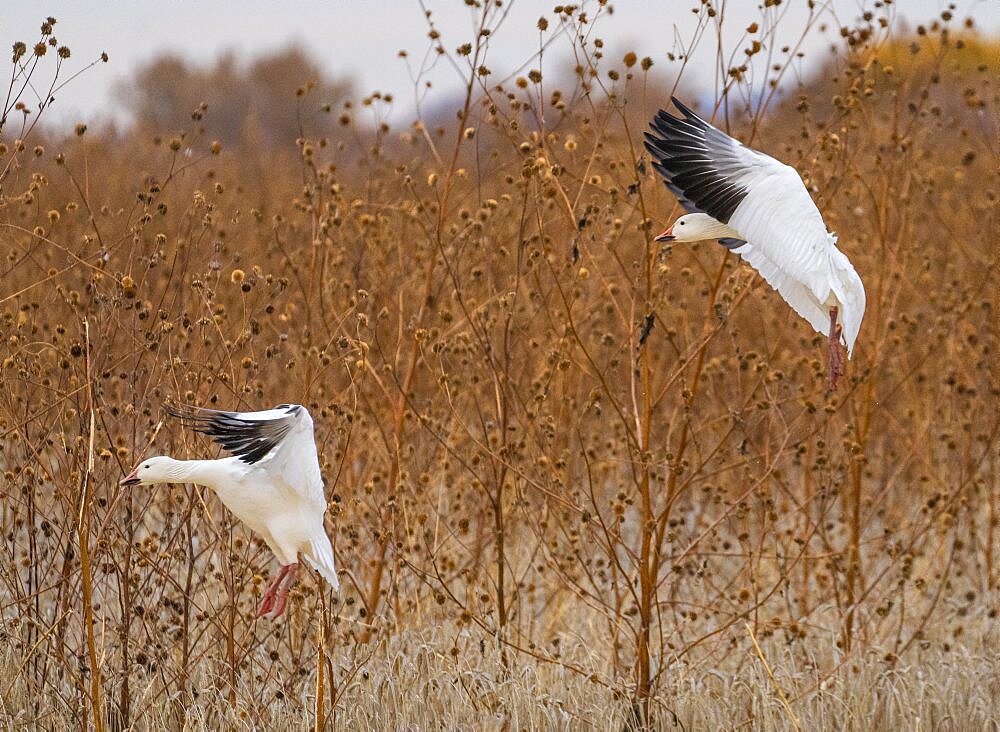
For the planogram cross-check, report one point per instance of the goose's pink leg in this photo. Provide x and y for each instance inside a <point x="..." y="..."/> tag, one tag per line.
<point x="835" y="351"/>
<point x="281" y="600"/>
<point x="267" y="603"/>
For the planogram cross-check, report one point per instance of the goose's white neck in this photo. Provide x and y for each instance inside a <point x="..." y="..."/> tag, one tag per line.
<point x="700" y="227"/>
<point x="209" y="473"/>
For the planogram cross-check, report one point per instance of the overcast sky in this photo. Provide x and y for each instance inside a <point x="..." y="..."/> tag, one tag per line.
<point x="360" y="39"/>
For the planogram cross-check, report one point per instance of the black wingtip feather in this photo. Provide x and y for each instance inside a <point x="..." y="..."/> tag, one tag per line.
<point x="686" y="111"/>
<point x="249" y="440"/>
<point x="683" y="155"/>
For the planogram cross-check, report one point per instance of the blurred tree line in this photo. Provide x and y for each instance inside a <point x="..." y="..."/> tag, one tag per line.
<point x="260" y="102"/>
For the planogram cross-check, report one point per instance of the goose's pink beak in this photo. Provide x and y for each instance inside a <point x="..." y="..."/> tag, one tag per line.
<point x="131" y="479"/>
<point x="667" y="235"/>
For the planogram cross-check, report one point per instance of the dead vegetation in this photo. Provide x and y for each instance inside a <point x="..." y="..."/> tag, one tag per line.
<point x="575" y="479"/>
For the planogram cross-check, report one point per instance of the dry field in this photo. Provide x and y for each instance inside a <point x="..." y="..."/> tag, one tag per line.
<point x="575" y="480"/>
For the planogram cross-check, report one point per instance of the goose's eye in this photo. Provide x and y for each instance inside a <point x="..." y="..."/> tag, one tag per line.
<point x="682" y="223"/>
<point x="146" y="467"/>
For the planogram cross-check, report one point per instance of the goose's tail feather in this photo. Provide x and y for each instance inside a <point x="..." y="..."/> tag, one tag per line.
<point x="320" y="556"/>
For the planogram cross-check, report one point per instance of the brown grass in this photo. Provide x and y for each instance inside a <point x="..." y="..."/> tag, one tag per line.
<point x="575" y="480"/>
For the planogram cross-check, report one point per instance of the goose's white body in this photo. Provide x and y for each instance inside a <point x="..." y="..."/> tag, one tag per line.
<point x="760" y="209"/>
<point x="270" y="504"/>
<point x="272" y="484"/>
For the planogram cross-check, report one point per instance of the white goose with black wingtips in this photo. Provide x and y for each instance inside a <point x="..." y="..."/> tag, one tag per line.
<point x="759" y="208"/>
<point x="272" y="484"/>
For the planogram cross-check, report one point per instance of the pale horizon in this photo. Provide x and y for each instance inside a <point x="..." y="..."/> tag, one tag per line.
<point x="136" y="34"/>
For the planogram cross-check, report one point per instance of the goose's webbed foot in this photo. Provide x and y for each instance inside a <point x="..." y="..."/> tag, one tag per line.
<point x="276" y="595"/>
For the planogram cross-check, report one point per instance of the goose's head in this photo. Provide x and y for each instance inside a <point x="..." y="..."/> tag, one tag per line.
<point x="151" y="470"/>
<point x="695" y="227"/>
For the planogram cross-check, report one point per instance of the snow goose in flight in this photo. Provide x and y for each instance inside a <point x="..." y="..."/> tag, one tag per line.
<point x="272" y="484"/>
<point x="759" y="208"/>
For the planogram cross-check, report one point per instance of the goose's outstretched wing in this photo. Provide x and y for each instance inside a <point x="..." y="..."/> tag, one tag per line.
<point x="708" y="171"/>
<point x="279" y="440"/>
<point x="250" y="436"/>
<point x="768" y="204"/>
